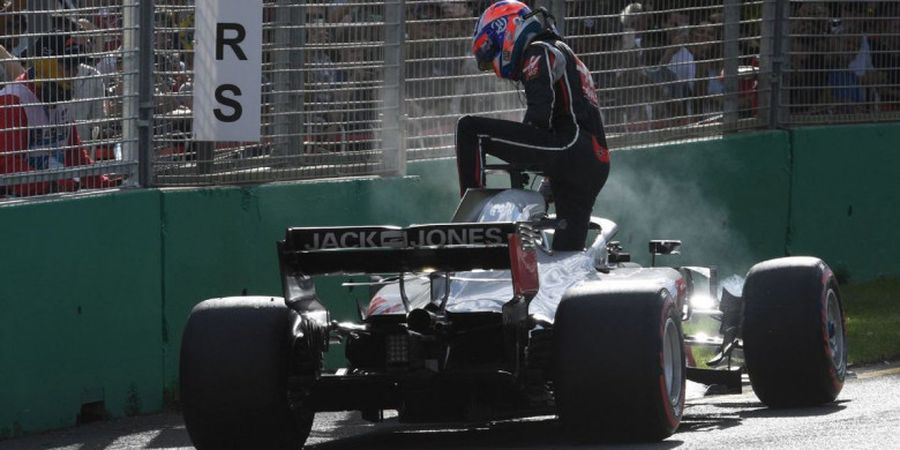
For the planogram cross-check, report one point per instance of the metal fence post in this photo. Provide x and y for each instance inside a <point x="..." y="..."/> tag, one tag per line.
<point x="136" y="147"/>
<point x="145" y="97"/>
<point x="773" y="47"/>
<point x="137" y="65"/>
<point x="393" y="138"/>
<point x="731" y="53"/>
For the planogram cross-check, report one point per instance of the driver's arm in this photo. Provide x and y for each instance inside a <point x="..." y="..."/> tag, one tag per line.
<point x="543" y="66"/>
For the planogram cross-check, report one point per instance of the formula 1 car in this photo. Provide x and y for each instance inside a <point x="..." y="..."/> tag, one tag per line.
<point x="478" y="320"/>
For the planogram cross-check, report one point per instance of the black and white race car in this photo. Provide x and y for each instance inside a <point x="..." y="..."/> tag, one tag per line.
<point x="477" y="320"/>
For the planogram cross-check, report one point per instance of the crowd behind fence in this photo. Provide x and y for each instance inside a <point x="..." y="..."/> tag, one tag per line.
<point x="359" y="87"/>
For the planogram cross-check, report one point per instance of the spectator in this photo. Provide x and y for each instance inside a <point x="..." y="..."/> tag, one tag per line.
<point x="456" y="25"/>
<point x="107" y="20"/>
<point x="584" y="25"/>
<point x="707" y="39"/>
<point x="426" y="73"/>
<point x="885" y="78"/>
<point x="186" y="33"/>
<point x="634" y="24"/>
<point x="846" y="93"/>
<point x="657" y="81"/>
<point x="358" y="74"/>
<point x="88" y="92"/>
<point x="36" y="132"/>
<point x="679" y="59"/>
<point x="807" y="80"/>
<point x="12" y="25"/>
<point x="170" y="70"/>
<point x="322" y="123"/>
<point x="107" y="16"/>
<point x="671" y="70"/>
<point x="422" y="42"/>
<point x="631" y="74"/>
<point x="854" y="23"/>
<point x="10" y="66"/>
<point x="357" y="96"/>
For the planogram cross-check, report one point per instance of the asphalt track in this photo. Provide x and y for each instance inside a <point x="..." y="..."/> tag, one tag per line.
<point x="866" y="416"/>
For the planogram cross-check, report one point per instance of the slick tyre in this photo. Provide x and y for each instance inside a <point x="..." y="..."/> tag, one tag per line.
<point x="794" y="333"/>
<point x="233" y="375"/>
<point x="619" y="364"/>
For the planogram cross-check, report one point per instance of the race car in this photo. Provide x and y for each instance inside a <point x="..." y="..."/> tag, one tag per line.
<point x="478" y="319"/>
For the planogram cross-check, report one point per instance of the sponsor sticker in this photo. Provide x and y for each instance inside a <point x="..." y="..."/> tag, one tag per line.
<point x="587" y="84"/>
<point x="532" y="67"/>
<point x="419" y="237"/>
<point x="499" y="25"/>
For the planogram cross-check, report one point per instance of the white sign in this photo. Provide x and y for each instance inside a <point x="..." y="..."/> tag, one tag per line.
<point x="227" y="70"/>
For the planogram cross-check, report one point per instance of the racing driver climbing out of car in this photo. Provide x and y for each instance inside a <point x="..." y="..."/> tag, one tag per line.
<point x="562" y="133"/>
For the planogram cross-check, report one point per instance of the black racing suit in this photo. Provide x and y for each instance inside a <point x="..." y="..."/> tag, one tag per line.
<point x="562" y="134"/>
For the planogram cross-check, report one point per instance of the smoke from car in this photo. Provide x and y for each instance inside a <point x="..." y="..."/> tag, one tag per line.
<point x="649" y="205"/>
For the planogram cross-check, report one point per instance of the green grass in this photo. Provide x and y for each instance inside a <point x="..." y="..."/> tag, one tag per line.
<point x="873" y="320"/>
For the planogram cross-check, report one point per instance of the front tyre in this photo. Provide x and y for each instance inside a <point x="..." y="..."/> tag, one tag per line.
<point x="235" y="356"/>
<point x="794" y="332"/>
<point x="620" y="364"/>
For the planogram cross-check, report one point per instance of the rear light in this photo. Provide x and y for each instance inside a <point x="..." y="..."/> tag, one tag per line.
<point x="523" y="265"/>
<point x="397" y="349"/>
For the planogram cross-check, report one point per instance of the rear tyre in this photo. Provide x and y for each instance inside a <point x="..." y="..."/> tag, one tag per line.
<point x="795" y="339"/>
<point x="235" y="356"/>
<point x="619" y="364"/>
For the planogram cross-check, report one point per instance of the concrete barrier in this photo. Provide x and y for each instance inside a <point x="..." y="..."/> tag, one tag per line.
<point x="845" y="198"/>
<point x="80" y="311"/>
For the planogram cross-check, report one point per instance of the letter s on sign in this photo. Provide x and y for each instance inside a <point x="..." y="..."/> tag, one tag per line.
<point x="234" y="104"/>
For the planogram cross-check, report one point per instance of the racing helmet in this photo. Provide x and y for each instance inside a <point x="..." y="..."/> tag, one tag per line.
<point x="501" y="35"/>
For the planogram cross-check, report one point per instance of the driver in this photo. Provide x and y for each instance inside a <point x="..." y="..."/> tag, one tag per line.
<point x="562" y="133"/>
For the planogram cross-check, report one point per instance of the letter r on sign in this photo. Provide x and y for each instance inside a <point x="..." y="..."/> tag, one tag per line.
<point x="233" y="42"/>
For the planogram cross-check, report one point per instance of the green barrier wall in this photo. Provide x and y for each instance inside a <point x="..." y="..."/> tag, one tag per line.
<point x="94" y="291"/>
<point x="845" y="198"/>
<point x="80" y="309"/>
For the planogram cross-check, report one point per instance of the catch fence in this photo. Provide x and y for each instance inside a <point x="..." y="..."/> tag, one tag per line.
<point x="360" y="87"/>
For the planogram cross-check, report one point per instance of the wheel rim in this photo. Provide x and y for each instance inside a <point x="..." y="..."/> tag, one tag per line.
<point x="835" y="329"/>
<point x="672" y="357"/>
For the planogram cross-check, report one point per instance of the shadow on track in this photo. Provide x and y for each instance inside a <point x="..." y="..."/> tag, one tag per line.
<point x="151" y="432"/>
<point x="822" y="410"/>
<point x="534" y="433"/>
<point x="707" y="422"/>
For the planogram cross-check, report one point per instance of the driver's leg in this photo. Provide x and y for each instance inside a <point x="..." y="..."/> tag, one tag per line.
<point x="583" y="172"/>
<point x="574" y="205"/>
<point x="512" y="142"/>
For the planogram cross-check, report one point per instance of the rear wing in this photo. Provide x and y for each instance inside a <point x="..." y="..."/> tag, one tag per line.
<point x="355" y="250"/>
<point x="450" y="247"/>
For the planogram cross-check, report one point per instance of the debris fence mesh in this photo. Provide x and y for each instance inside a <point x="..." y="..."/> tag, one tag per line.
<point x="360" y="87"/>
